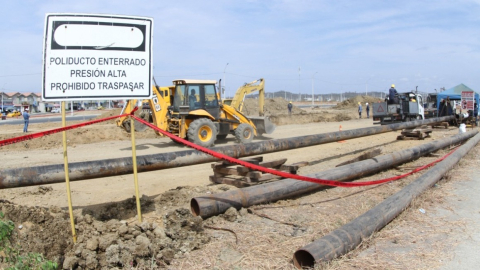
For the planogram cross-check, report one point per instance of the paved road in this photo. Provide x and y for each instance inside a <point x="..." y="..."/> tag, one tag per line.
<point x="47" y="118"/>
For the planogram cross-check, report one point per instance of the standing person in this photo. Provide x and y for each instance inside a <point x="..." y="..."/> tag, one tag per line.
<point x="26" y="118"/>
<point x="290" y="108"/>
<point x="367" y="109"/>
<point x="392" y="95"/>
<point x="192" y="99"/>
<point x="359" y="110"/>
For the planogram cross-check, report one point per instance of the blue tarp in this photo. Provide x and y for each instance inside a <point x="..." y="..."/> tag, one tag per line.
<point x="455" y="93"/>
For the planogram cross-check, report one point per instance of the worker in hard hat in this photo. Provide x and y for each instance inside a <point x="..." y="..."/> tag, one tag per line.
<point x="290" y="106"/>
<point x="392" y="95"/>
<point x="367" y="109"/>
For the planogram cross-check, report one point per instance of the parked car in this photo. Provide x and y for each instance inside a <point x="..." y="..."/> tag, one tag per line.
<point x="81" y="109"/>
<point x="14" y="114"/>
<point x="56" y="110"/>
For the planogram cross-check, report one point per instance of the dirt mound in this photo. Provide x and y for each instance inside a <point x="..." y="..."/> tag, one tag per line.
<point x="99" y="132"/>
<point x="109" y="236"/>
<point x="108" y="113"/>
<point x="353" y="102"/>
<point x="276" y="110"/>
<point x="275" y="106"/>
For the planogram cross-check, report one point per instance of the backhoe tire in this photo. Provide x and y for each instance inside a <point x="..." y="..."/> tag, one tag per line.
<point x="202" y="131"/>
<point x="244" y="133"/>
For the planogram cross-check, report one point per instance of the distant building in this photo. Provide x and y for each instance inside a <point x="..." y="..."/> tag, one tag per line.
<point x="16" y="101"/>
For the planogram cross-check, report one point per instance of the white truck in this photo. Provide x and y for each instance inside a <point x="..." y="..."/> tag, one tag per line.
<point x="408" y="107"/>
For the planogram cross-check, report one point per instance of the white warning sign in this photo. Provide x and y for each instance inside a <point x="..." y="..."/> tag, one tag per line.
<point x="468" y="100"/>
<point x="97" y="57"/>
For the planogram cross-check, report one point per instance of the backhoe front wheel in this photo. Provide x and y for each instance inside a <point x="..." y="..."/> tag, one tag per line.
<point x="244" y="133"/>
<point x="202" y="132"/>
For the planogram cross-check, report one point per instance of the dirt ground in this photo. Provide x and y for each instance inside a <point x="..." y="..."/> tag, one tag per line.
<point x="262" y="237"/>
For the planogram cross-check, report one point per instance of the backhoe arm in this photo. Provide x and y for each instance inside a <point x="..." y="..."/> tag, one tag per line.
<point x="248" y="88"/>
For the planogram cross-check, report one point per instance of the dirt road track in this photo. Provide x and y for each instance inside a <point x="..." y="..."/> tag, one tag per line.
<point x="152" y="183"/>
<point x="465" y="205"/>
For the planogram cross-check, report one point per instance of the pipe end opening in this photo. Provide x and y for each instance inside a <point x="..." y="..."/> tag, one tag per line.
<point x="194" y="207"/>
<point x="303" y="259"/>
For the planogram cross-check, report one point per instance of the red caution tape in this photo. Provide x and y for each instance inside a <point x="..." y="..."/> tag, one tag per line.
<point x="222" y="156"/>
<point x="53" y="131"/>
<point x="285" y="174"/>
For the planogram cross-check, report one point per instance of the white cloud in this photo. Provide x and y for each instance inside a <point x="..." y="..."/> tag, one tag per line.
<point x="347" y="42"/>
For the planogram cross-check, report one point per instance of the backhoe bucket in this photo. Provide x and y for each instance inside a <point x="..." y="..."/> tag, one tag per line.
<point x="263" y="125"/>
<point x="139" y="127"/>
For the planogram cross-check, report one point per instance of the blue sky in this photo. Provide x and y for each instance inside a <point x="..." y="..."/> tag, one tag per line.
<point x="341" y="45"/>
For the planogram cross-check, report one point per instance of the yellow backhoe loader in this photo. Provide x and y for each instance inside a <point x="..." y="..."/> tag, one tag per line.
<point x="239" y="98"/>
<point x="191" y="110"/>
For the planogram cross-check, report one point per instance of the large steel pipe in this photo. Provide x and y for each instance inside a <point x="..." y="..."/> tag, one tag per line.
<point x="207" y="206"/>
<point x="349" y="236"/>
<point x="49" y="174"/>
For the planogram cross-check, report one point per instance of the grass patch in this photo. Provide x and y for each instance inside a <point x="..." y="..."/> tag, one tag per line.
<point x="12" y="257"/>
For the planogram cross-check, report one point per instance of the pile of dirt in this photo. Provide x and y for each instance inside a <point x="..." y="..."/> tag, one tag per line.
<point x="99" y="132"/>
<point x="275" y="106"/>
<point x="353" y="102"/>
<point x="110" y="236"/>
<point x="276" y="110"/>
<point x="109" y="113"/>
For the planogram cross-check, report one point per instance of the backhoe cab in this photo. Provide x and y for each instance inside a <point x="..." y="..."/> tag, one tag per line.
<point x="191" y="110"/>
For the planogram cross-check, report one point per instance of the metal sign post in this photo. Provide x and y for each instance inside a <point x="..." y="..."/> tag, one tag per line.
<point x="67" y="179"/>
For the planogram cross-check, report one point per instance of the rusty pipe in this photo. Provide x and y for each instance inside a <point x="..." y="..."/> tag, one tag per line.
<point x="349" y="236"/>
<point x="50" y="174"/>
<point x="207" y="206"/>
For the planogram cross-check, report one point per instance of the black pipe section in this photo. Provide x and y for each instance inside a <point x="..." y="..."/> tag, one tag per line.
<point x="349" y="236"/>
<point x="207" y="206"/>
<point x="50" y="174"/>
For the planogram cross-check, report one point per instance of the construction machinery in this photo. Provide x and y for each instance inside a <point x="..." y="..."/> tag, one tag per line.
<point x="408" y="108"/>
<point x="239" y="98"/>
<point x="190" y="109"/>
<point x="430" y="106"/>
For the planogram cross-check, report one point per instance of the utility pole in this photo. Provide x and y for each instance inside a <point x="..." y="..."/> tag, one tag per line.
<point x="313" y="95"/>
<point x="299" y="95"/>
<point x="224" y="83"/>
<point x="3" y="108"/>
